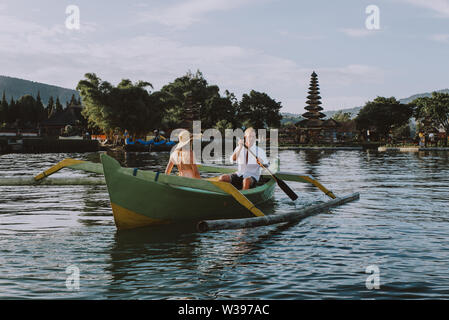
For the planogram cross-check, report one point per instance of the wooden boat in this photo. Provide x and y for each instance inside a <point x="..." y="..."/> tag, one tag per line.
<point x="140" y="198"/>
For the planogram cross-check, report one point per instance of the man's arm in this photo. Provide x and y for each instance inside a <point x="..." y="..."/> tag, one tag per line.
<point x="262" y="157"/>
<point x="237" y="151"/>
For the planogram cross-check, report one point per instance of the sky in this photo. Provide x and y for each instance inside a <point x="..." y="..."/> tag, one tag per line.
<point x="270" y="46"/>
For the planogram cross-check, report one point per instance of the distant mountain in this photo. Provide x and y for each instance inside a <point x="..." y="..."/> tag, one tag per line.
<point x="421" y="95"/>
<point x="290" y="117"/>
<point x="17" y="88"/>
<point x="355" y="111"/>
<point x="293" y="117"/>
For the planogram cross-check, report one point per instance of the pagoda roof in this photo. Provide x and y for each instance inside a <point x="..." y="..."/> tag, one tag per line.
<point x="313" y="102"/>
<point x="313" y="115"/>
<point x="313" y="108"/>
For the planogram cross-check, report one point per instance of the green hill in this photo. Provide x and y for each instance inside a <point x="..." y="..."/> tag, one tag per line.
<point x="17" y="88"/>
<point x="353" y="111"/>
<point x="421" y="95"/>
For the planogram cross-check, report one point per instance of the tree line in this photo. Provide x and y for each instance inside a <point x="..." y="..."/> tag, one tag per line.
<point x="134" y="107"/>
<point x="28" y="112"/>
<point x="387" y="116"/>
<point x="137" y="108"/>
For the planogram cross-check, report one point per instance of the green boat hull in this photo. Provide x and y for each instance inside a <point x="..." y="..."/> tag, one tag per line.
<point x="142" y="198"/>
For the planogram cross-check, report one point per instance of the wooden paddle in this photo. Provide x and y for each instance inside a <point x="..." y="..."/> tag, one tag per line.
<point x="288" y="191"/>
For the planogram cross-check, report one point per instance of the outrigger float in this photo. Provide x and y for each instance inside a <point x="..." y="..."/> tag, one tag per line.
<point x="142" y="198"/>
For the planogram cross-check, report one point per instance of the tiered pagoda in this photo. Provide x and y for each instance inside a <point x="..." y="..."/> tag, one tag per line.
<point x="313" y="128"/>
<point x="313" y="115"/>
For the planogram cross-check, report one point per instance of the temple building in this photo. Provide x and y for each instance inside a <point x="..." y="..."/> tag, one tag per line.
<point x="54" y="126"/>
<point x="313" y="129"/>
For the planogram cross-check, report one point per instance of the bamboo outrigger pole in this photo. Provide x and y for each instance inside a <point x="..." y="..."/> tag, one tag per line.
<point x="64" y="163"/>
<point x="43" y="177"/>
<point x="30" y="181"/>
<point x="208" y="225"/>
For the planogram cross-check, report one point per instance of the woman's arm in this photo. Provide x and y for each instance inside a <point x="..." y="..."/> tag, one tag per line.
<point x="169" y="167"/>
<point x="196" y="172"/>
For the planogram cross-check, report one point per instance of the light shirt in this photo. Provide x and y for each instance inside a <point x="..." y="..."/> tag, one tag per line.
<point x="250" y="169"/>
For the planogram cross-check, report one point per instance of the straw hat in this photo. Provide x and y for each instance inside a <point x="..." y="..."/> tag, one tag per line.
<point x="184" y="138"/>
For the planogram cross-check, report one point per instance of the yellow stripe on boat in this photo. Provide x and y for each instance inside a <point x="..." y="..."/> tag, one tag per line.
<point x="230" y="189"/>
<point x="127" y="219"/>
<point x="212" y="179"/>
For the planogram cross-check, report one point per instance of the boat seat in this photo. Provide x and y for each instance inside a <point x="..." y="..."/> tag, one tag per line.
<point x="262" y="181"/>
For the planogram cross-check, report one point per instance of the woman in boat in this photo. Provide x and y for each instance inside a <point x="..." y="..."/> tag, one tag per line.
<point x="183" y="157"/>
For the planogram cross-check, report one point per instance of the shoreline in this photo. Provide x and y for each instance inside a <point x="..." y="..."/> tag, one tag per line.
<point x="412" y="149"/>
<point x="320" y="148"/>
<point x="50" y="145"/>
<point x="46" y="145"/>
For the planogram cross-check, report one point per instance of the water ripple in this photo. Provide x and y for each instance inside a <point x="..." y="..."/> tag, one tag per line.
<point x="400" y="224"/>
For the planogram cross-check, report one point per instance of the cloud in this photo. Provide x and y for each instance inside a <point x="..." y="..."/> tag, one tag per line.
<point x="358" y="32"/>
<point x="353" y="73"/>
<point x="439" y="6"/>
<point x="344" y="102"/>
<point x="58" y="56"/>
<point x="441" y="37"/>
<point x="300" y="36"/>
<point x="185" y="13"/>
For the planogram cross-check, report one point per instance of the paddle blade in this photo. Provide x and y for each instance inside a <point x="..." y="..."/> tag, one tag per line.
<point x="286" y="189"/>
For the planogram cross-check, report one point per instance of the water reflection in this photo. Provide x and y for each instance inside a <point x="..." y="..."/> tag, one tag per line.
<point x="310" y="163"/>
<point x="141" y="160"/>
<point x="312" y="159"/>
<point x="140" y="255"/>
<point x="96" y="208"/>
<point x="183" y="250"/>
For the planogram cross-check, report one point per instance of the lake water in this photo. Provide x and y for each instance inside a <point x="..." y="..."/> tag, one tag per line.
<point x="400" y="226"/>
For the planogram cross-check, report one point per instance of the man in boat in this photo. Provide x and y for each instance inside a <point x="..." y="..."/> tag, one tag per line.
<point x="249" y="167"/>
<point x="158" y="137"/>
<point x="127" y="137"/>
<point x="183" y="157"/>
